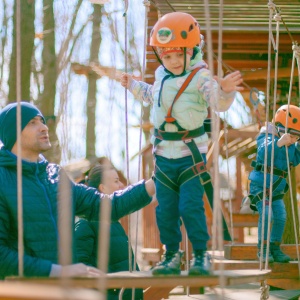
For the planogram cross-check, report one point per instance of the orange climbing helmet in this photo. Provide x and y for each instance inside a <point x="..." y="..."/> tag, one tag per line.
<point x="176" y="29"/>
<point x="293" y="120"/>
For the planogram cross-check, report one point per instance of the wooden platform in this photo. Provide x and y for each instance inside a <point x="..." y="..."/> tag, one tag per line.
<point x="278" y="270"/>
<point x="244" y="220"/>
<point x="155" y="288"/>
<point x="145" y="279"/>
<point x="249" y="251"/>
<point x="34" y="291"/>
<point x="240" y="293"/>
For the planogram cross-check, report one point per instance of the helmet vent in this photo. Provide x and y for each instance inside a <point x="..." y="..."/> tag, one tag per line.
<point x="183" y="34"/>
<point x="191" y="27"/>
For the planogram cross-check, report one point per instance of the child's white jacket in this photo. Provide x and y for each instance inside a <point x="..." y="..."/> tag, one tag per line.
<point x="190" y="110"/>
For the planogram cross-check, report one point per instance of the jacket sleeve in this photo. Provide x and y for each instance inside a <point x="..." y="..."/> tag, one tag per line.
<point x="296" y="153"/>
<point x="85" y="239"/>
<point x="262" y="143"/>
<point x="141" y="91"/>
<point x="209" y="88"/>
<point x="33" y="266"/>
<point x="88" y="200"/>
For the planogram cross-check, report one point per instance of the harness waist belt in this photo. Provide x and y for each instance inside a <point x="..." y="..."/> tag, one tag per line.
<point x="260" y="167"/>
<point x="178" y="135"/>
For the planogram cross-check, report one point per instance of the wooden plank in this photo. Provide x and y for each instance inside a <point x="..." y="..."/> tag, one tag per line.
<point x="155" y="293"/>
<point x="245" y="220"/>
<point x="262" y="74"/>
<point x="245" y="294"/>
<point x="249" y="251"/>
<point x="33" y="291"/>
<point x="286" y="284"/>
<point x="278" y="270"/>
<point x="145" y="279"/>
<point x="151" y="255"/>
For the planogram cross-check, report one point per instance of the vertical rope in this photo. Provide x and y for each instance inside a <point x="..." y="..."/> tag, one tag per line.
<point x="211" y="68"/>
<point x="217" y="127"/>
<point x="126" y="126"/>
<point x="147" y="6"/>
<point x="296" y="49"/>
<point x="19" y="148"/>
<point x="277" y="18"/>
<point x="287" y="158"/>
<point x="216" y="131"/>
<point x="64" y="225"/>
<point x="104" y="238"/>
<point x="187" y="259"/>
<point x="228" y="176"/>
<point x="271" y="9"/>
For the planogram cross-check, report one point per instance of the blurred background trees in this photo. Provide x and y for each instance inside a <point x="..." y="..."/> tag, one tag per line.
<point x="70" y="71"/>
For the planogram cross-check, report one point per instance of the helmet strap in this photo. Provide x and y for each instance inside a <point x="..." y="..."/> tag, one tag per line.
<point x="157" y="56"/>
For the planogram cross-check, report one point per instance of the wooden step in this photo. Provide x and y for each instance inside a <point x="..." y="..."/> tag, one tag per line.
<point x="241" y="293"/>
<point x="151" y="255"/>
<point x="34" y="291"/>
<point x="249" y="251"/>
<point x="278" y="270"/>
<point x="144" y="279"/>
<point x="244" y="220"/>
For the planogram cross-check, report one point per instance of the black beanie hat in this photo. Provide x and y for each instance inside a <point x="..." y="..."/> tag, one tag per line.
<point x="8" y="121"/>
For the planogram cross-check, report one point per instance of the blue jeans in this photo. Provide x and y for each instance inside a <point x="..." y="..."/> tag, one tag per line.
<point x="278" y="218"/>
<point x="187" y="204"/>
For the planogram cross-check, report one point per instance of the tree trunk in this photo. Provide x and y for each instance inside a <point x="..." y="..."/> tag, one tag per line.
<point x="92" y="86"/>
<point x="26" y="48"/>
<point x="46" y="100"/>
<point x="289" y="232"/>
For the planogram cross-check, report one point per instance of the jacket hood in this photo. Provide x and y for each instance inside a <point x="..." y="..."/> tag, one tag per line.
<point x="9" y="160"/>
<point x="271" y="129"/>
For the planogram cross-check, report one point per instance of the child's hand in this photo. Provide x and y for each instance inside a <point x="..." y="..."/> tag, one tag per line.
<point x="231" y="82"/>
<point x="126" y="80"/>
<point x="287" y="140"/>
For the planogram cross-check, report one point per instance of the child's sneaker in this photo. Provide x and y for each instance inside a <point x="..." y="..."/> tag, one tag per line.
<point x="170" y="264"/>
<point x="277" y="254"/>
<point x="201" y="263"/>
<point x="270" y="257"/>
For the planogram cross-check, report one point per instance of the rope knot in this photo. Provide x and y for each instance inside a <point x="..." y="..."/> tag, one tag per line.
<point x="264" y="291"/>
<point x="272" y="6"/>
<point x="277" y="17"/>
<point x="296" y="50"/>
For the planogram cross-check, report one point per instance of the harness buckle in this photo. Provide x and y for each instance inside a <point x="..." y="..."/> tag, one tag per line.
<point x="204" y="182"/>
<point x="200" y="167"/>
<point x="169" y="119"/>
<point x="204" y="176"/>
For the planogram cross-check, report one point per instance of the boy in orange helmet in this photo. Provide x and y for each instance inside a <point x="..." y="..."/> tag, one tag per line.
<point x="286" y="132"/>
<point x="179" y="140"/>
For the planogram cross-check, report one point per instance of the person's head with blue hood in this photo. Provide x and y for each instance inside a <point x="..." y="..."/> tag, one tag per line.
<point x="34" y="132"/>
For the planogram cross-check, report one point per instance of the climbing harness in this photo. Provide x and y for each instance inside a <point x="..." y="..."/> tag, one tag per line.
<point x="187" y="136"/>
<point x="260" y="196"/>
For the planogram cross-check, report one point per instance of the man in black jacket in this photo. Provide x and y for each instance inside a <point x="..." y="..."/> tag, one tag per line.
<point x="40" y="181"/>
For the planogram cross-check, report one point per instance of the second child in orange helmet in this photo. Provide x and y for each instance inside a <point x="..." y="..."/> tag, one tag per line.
<point x="286" y="132"/>
<point x="181" y="94"/>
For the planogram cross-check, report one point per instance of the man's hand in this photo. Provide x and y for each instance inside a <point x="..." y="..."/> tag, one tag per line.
<point x="231" y="82"/>
<point x="80" y="270"/>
